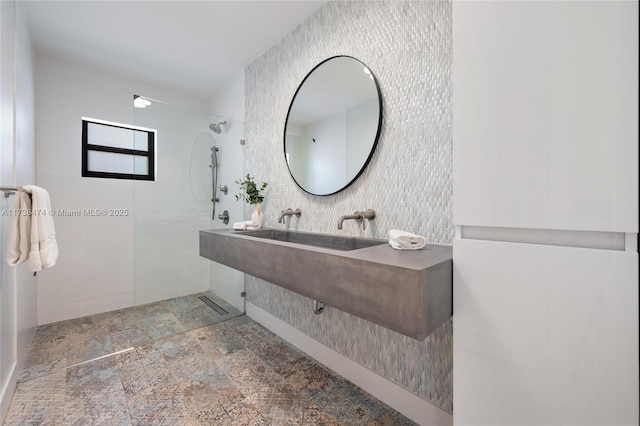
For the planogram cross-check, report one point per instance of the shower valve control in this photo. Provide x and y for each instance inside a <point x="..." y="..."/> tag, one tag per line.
<point x="224" y="189"/>
<point x="224" y="217"/>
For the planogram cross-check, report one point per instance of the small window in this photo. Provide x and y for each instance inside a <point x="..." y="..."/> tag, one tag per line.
<point x="117" y="151"/>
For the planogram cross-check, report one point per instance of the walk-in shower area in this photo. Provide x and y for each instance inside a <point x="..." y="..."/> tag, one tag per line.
<point x="132" y="241"/>
<point x="199" y="156"/>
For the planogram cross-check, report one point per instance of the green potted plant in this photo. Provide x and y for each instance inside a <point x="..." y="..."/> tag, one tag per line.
<point x="253" y="194"/>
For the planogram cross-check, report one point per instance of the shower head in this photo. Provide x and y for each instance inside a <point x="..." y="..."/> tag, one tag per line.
<point x="217" y="127"/>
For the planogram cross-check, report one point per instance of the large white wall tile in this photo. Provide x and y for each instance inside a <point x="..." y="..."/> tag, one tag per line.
<point x="199" y="154"/>
<point x="55" y="313"/>
<point x="78" y="193"/>
<point x="62" y="284"/>
<point x="109" y="194"/>
<point x="157" y="199"/>
<point x="71" y="236"/>
<point x="158" y="234"/>
<point x="110" y="275"/>
<point x="109" y="235"/>
<point x="191" y="235"/>
<point x="158" y="276"/>
<point x="195" y="272"/>
<point x="81" y="280"/>
<point x="196" y="199"/>
<point x="66" y="192"/>
<point x="110" y="303"/>
<point x="59" y="151"/>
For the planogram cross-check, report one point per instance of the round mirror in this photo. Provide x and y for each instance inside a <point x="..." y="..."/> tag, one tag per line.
<point x="333" y="125"/>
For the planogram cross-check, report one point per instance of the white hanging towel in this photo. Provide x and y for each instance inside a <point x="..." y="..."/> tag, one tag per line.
<point x="402" y="240"/>
<point x="44" y="248"/>
<point x="19" y="241"/>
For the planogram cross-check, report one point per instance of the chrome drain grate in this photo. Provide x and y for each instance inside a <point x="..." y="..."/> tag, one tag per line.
<point x="213" y="305"/>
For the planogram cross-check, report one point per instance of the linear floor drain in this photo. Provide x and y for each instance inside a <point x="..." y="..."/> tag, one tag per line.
<point x="101" y="357"/>
<point x="213" y="305"/>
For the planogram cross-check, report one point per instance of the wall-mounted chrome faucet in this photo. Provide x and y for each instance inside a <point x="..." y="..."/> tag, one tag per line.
<point x="288" y="212"/>
<point x="358" y="216"/>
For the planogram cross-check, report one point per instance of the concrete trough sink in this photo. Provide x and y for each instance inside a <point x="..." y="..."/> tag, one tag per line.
<point x="335" y="242"/>
<point x="409" y="292"/>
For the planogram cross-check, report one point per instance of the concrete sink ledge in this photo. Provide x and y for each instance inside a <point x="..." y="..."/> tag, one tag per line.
<point x="409" y="292"/>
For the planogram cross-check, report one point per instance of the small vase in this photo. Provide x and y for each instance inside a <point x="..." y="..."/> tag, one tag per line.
<point x="256" y="216"/>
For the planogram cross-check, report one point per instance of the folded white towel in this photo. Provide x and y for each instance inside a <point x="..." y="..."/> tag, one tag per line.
<point x="402" y="240"/>
<point x="44" y="248"/>
<point x="19" y="230"/>
<point x="246" y="225"/>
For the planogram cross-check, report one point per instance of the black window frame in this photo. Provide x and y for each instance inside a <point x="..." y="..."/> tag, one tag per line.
<point x="149" y="153"/>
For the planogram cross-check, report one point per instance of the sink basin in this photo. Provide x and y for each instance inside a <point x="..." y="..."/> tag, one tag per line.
<point x="335" y="242"/>
<point x="409" y="292"/>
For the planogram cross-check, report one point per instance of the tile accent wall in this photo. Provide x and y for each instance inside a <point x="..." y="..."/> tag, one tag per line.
<point x="407" y="45"/>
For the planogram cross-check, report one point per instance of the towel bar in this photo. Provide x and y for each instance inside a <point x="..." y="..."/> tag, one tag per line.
<point x="10" y="190"/>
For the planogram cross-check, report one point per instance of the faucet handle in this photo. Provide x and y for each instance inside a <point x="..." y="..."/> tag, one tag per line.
<point x="288" y="212"/>
<point x="369" y="214"/>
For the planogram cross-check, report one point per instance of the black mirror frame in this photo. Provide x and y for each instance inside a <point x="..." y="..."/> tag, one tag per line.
<point x="375" y="142"/>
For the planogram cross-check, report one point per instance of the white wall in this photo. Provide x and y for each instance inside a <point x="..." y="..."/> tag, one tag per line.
<point x="17" y="167"/>
<point x="361" y="130"/>
<point x="96" y="269"/>
<point x="328" y="169"/>
<point x="546" y="203"/>
<point x="229" y="100"/>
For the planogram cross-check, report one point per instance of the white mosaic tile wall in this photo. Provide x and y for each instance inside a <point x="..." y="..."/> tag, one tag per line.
<point x="407" y="45"/>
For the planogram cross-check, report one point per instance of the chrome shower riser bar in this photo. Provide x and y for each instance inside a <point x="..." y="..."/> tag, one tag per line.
<point x="214" y="180"/>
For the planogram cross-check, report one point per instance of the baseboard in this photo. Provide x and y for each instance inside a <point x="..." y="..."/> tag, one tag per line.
<point x="412" y="406"/>
<point x="6" y="393"/>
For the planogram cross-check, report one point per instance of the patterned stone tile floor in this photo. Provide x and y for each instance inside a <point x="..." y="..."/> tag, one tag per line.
<point x="178" y="362"/>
